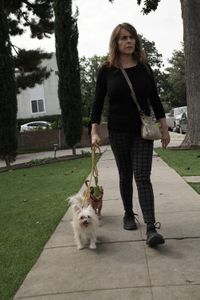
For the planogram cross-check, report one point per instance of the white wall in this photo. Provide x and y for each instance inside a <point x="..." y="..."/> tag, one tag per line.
<point x="46" y="91"/>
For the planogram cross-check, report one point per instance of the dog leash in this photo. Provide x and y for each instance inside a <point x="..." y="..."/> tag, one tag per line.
<point x="94" y="172"/>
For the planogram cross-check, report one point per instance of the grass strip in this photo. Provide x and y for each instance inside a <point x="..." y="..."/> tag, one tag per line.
<point x="32" y="202"/>
<point x="185" y="162"/>
<point x="195" y="186"/>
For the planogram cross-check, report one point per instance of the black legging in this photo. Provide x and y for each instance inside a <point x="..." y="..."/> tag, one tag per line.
<point x="133" y="155"/>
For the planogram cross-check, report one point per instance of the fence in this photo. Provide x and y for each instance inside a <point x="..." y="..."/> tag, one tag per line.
<point x="45" y="139"/>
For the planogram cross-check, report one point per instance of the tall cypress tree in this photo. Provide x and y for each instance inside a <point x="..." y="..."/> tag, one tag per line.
<point x="8" y="102"/>
<point x="69" y="93"/>
<point x="15" y="17"/>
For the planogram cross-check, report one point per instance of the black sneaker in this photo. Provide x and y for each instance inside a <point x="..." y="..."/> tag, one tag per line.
<point x="153" y="237"/>
<point x="129" y="221"/>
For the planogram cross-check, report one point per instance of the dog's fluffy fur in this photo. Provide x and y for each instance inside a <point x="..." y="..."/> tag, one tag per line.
<point x="84" y="222"/>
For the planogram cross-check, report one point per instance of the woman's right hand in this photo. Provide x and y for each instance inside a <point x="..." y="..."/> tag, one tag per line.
<point x="95" y="139"/>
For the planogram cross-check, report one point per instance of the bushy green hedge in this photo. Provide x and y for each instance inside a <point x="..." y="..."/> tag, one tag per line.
<point x="85" y="121"/>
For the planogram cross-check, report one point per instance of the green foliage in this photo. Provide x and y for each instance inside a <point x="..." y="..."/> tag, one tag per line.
<point x="85" y="153"/>
<point x="153" y="57"/>
<point x="30" y="213"/>
<point x="36" y="14"/>
<point x="155" y="61"/>
<point x="148" y="5"/>
<point x="29" y="60"/>
<point x="175" y="84"/>
<point x="40" y="161"/>
<point x="66" y="34"/>
<point x="29" y="72"/>
<point x="88" y="72"/>
<point x="86" y="121"/>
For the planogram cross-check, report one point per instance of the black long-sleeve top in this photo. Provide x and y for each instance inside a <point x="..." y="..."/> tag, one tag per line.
<point x="123" y="114"/>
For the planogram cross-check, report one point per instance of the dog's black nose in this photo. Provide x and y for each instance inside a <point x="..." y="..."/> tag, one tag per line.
<point x="85" y="222"/>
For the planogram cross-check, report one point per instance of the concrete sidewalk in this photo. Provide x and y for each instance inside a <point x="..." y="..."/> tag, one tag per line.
<point x="123" y="266"/>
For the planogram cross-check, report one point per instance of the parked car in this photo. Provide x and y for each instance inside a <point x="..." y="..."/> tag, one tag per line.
<point x="177" y="116"/>
<point x="170" y="121"/>
<point x="173" y="117"/>
<point x="183" y="122"/>
<point x="35" y="125"/>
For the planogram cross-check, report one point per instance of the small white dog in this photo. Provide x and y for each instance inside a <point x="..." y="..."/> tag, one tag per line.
<point x="84" y="222"/>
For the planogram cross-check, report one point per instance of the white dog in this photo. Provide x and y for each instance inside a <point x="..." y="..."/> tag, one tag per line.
<point x="84" y="222"/>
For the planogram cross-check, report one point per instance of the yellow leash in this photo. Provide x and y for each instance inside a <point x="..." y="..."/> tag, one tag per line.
<point x="94" y="172"/>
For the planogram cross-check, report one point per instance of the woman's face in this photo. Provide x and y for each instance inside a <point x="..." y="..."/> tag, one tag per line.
<point x="126" y="42"/>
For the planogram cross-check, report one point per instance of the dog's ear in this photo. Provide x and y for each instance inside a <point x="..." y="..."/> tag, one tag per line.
<point x="87" y="182"/>
<point x="71" y="200"/>
<point x="75" y="199"/>
<point x="101" y="189"/>
<point x="90" y="208"/>
<point x="77" y="209"/>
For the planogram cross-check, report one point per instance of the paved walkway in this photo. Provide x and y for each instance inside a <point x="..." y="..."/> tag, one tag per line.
<point x="192" y="178"/>
<point x="123" y="267"/>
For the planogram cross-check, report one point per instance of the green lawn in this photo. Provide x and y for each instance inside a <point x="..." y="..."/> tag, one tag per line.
<point x="32" y="202"/>
<point x="196" y="186"/>
<point x="185" y="162"/>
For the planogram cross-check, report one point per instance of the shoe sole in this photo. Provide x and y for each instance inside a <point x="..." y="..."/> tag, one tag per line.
<point x="155" y="241"/>
<point x="130" y="228"/>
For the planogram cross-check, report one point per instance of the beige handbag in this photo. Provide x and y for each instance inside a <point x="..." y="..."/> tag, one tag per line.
<point x="150" y="129"/>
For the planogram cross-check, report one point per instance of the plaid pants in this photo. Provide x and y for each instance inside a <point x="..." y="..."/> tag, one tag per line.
<point x="133" y="155"/>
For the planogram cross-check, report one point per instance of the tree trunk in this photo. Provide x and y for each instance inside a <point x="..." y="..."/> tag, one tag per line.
<point x="74" y="150"/>
<point x="7" y="163"/>
<point x="191" y="25"/>
<point x="8" y="100"/>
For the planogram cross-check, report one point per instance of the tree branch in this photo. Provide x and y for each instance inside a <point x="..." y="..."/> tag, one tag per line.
<point x="149" y="5"/>
<point x="28" y="4"/>
<point x="14" y="47"/>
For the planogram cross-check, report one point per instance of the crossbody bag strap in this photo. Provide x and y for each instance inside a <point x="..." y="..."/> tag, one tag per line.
<point x="132" y="90"/>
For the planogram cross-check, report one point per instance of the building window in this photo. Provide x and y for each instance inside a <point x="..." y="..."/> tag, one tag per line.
<point x="37" y="105"/>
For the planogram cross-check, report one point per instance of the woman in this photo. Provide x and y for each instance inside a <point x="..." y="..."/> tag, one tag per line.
<point x="133" y="154"/>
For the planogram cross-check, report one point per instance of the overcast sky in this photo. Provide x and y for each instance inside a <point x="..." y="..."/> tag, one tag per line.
<point x="97" y="19"/>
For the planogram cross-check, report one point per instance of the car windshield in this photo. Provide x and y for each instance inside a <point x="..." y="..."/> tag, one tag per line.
<point x="179" y="110"/>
